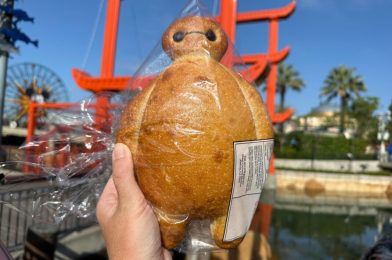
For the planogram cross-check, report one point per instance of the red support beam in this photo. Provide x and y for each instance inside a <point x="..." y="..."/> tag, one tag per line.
<point x="271" y="14"/>
<point x="227" y="20"/>
<point x="102" y="116"/>
<point x="273" y="74"/>
<point x="110" y="38"/>
<point x="228" y="17"/>
<point x="30" y="122"/>
<point x="29" y="135"/>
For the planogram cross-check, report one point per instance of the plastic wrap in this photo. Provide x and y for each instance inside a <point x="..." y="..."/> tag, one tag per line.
<point x="199" y="133"/>
<point x="55" y="180"/>
<point x="200" y="136"/>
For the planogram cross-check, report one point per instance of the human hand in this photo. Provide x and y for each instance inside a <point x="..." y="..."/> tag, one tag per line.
<point x="128" y="223"/>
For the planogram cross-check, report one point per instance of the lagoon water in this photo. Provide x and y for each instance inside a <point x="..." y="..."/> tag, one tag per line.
<point x="293" y="225"/>
<point x="325" y="227"/>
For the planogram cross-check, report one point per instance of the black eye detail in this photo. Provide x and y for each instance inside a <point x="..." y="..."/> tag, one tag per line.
<point x="210" y="35"/>
<point x="178" y="36"/>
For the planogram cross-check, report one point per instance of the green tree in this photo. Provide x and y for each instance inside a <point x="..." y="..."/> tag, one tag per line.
<point x="288" y="78"/>
<point x="342" y="82"/>
<point x="362" y="110"/>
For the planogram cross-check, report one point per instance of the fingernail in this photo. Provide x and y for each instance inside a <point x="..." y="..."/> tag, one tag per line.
<point x="119" y="152"/>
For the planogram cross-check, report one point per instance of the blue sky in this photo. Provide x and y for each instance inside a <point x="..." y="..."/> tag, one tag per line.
<point x="322" y="34"/>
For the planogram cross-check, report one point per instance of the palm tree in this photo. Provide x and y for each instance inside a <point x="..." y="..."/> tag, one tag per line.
<point x="342" y="82"/>
<point x="288" y="78"/>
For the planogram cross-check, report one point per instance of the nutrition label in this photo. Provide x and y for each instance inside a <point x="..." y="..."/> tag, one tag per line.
<point x="251" y="163"/>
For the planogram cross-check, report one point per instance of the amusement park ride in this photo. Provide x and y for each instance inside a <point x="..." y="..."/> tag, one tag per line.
<point x="229" y="17"/>
<point x="30" y="82"/>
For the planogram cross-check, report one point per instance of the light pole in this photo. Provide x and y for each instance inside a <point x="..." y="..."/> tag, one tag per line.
<point x="6" y="23"/>
<point x="349" y="135"/>
<point x="383" y="134"/>
<point x="9" y="34"/>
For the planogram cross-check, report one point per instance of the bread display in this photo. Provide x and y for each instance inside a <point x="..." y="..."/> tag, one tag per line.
<point x="181" y="130"/>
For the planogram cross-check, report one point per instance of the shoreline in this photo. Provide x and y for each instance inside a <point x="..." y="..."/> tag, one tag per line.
<point x="314" y="184"/>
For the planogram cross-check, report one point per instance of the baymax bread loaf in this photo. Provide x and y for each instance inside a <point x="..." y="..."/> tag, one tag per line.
<point x="181" y="128"/>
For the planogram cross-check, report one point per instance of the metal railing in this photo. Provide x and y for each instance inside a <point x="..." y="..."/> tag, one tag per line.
<point x="16" y="216"/>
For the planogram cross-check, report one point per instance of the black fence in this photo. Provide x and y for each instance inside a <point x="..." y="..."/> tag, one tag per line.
<point x="16" y="215"/>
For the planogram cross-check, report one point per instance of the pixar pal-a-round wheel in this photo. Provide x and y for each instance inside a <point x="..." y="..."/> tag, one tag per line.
<point x="30" y="82"/>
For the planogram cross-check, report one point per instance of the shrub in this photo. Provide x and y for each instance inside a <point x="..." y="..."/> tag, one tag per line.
<point x="299" y="145"/>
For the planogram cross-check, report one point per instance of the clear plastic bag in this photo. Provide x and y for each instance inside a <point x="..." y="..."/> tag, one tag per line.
<point x="199" y="133"/>
<point x="200" y="136"/>
<point x="56" y="179"/>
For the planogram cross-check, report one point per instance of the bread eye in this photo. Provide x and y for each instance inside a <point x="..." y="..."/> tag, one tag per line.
<point x="178" y="36"/>
<point x="210" y="35"/>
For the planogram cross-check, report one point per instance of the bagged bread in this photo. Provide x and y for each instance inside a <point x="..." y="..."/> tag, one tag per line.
<point x="201" y="140"/>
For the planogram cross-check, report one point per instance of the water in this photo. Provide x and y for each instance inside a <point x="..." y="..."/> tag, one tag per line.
<point x="306" y="235"/>
<point x="323" y="226"/>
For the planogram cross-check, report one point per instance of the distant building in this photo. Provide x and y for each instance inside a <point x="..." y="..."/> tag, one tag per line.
<point x="324" y="118"/>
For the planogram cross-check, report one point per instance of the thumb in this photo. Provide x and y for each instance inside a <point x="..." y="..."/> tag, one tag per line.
<point x="123" y="176"/>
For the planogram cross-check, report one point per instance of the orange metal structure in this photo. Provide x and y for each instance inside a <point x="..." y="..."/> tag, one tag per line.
<point x="229" y="18"/>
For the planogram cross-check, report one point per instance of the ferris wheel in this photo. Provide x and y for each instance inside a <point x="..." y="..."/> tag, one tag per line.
<point x="30" y="82"/>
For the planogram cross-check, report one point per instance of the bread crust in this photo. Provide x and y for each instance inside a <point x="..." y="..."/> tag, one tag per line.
<point x="181" y="131"/>
<point x="194" y="41"/>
